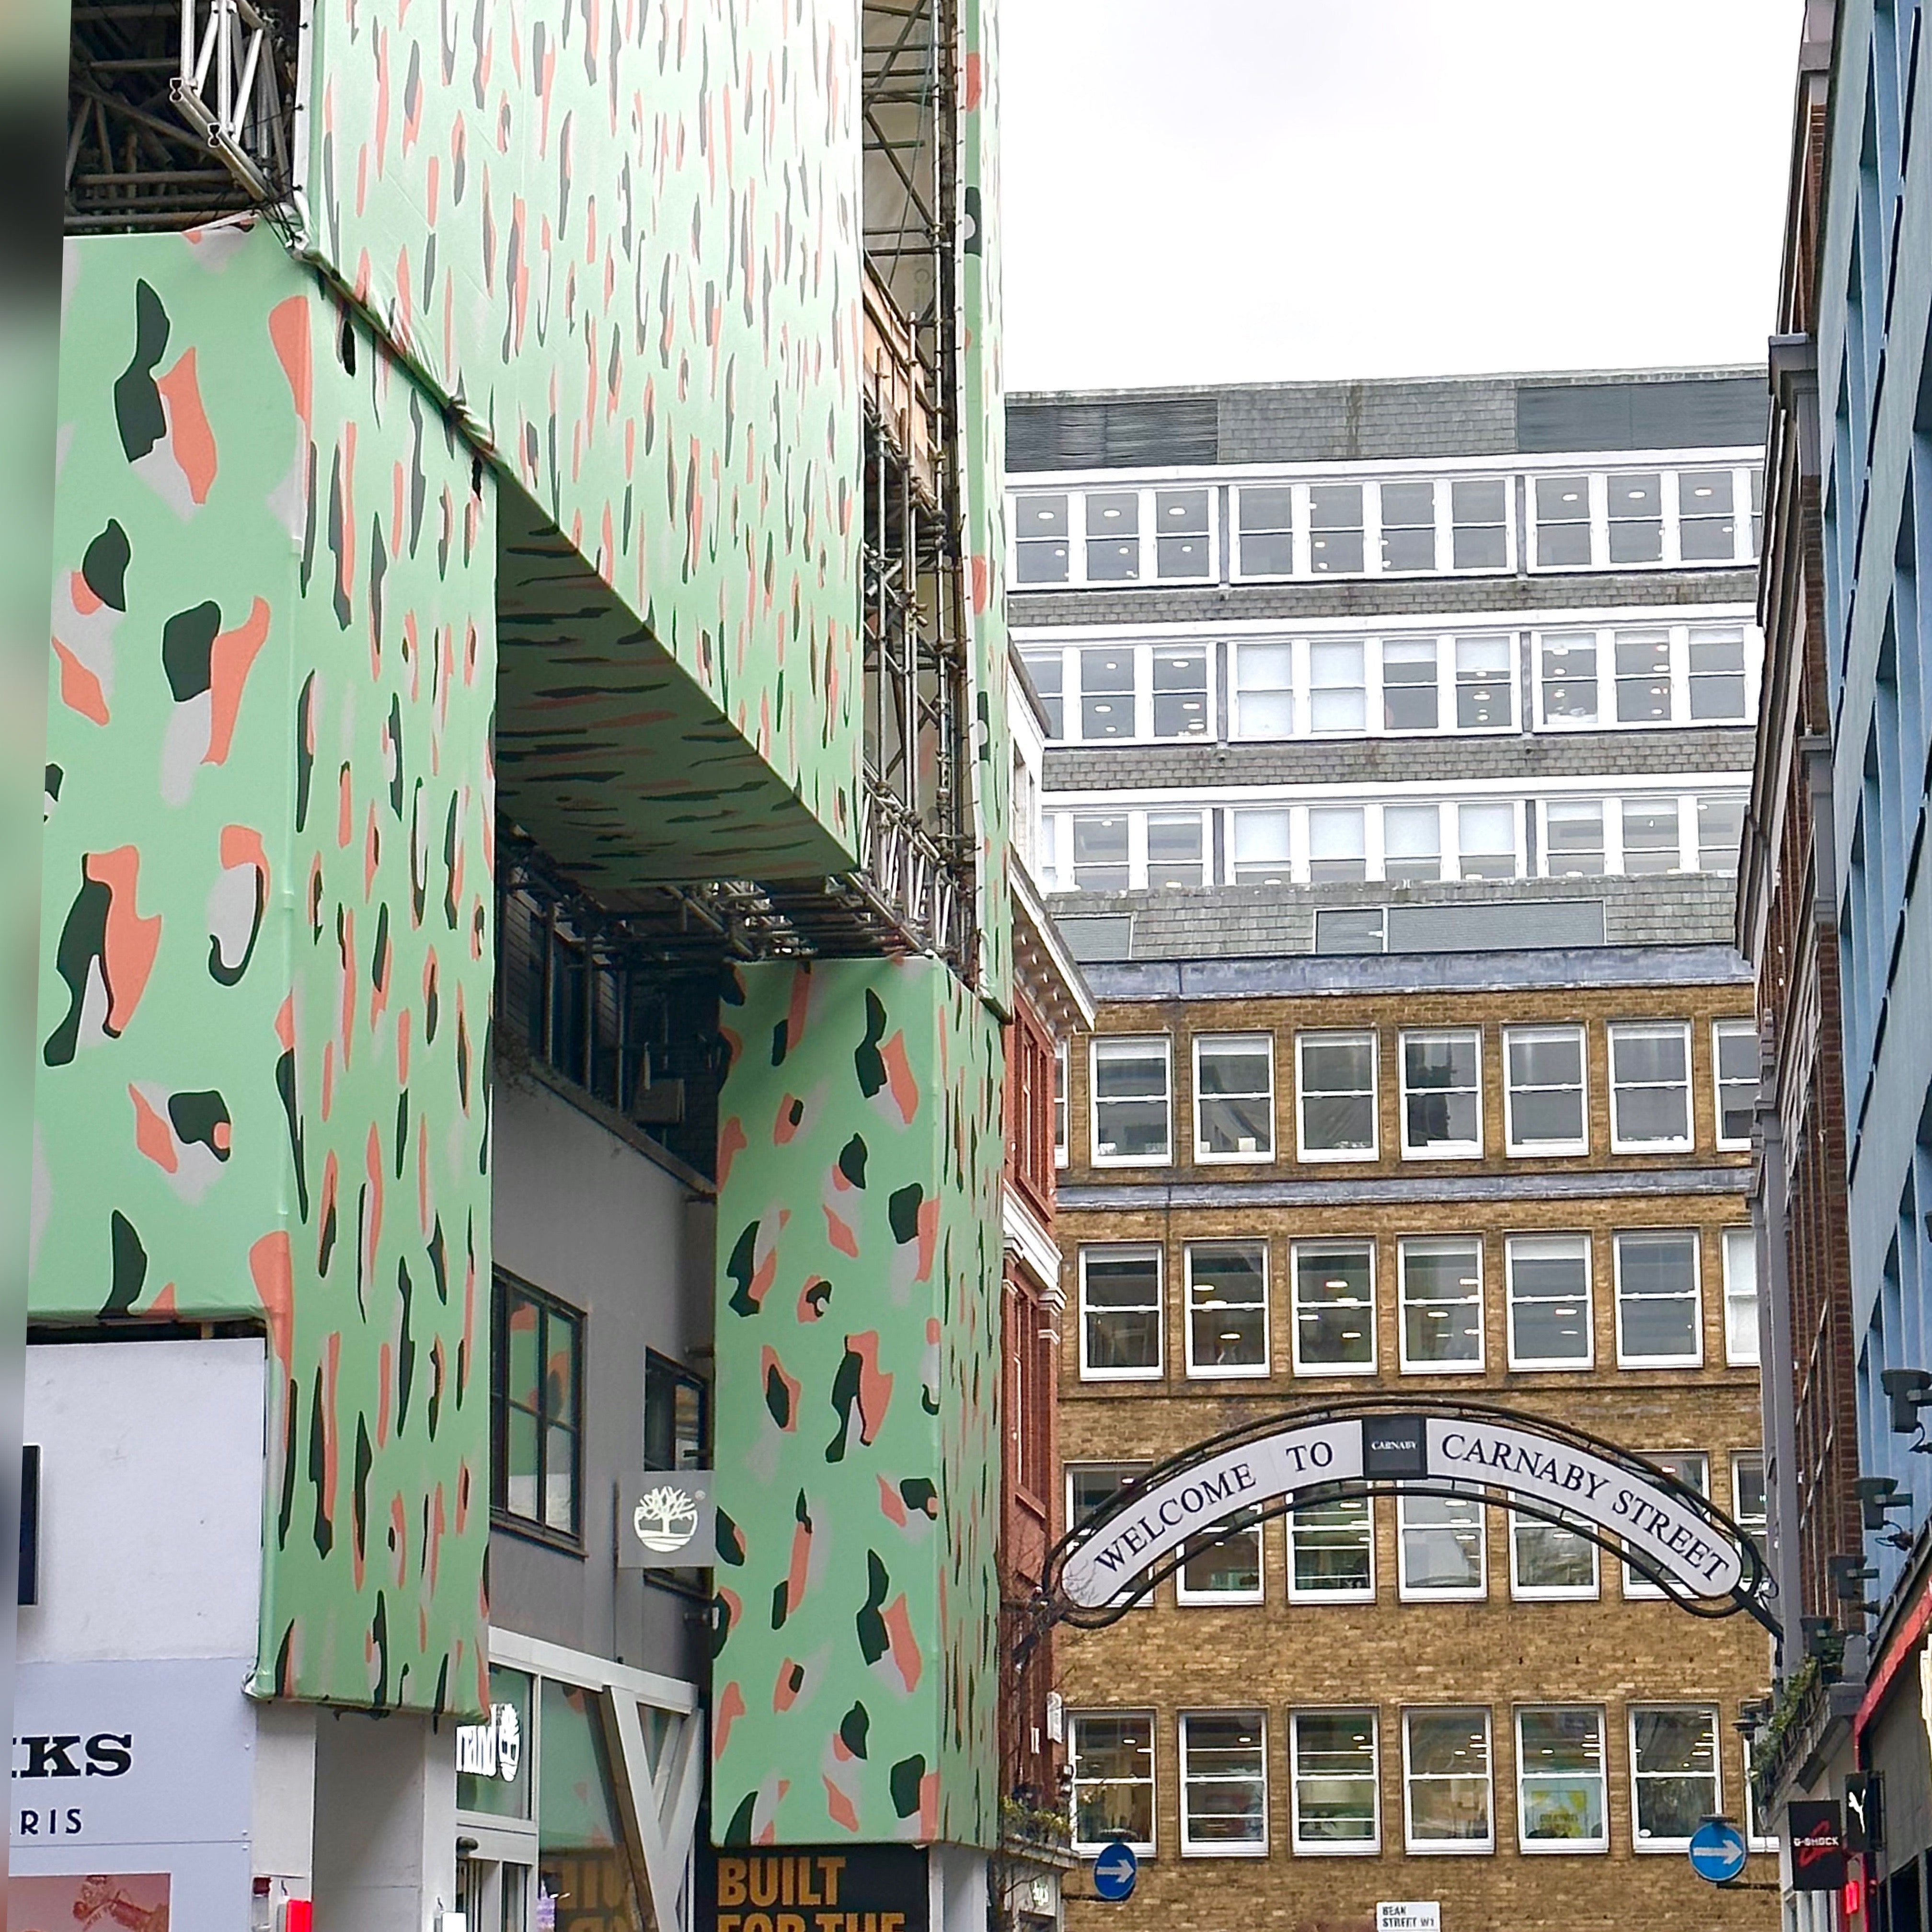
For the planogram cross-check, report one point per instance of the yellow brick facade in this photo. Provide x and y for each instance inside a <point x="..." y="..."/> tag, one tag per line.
<point x="1278" y="1656"/>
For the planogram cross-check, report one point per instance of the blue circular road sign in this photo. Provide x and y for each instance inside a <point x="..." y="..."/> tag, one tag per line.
<point x="1114" y="1871"/>
<point x="1717" y="1851"/>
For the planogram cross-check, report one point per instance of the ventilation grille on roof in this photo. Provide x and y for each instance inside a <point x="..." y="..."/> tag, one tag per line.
<point x="1111" y="435"/>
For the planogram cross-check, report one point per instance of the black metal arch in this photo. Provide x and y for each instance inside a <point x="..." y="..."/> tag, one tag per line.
<point x="1750" y="1594"/>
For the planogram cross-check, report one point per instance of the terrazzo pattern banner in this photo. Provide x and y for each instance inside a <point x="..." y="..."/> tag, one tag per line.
<point x="623" y="240"/>
<point x="855" y="1684"/>
<point x="266" y="948"/>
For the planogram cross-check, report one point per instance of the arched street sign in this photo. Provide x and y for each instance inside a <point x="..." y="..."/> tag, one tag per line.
<point x="1717" y="1851"/>
<point x="1660" y="1525"/>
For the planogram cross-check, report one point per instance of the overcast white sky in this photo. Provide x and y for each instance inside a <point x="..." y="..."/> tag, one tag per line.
<point x="1209" y="190"/>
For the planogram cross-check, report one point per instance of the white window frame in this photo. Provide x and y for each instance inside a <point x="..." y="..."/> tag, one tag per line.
<point x="1404" y="1247"/>
<point x="1358" y="1594"/>
<point x="1417" y="1847"/>
<point x="1203" y="1157"/>
<point x="1606" y="816"/>
<point x="1644" y="1846"/>
<point x="1191" y="1848"/>
<point x="1670" y="557"/>
<point x="1746" y="1237"/>
<point x="1237" y="689"/>
<point x="1619" y="1144"/>
<point x="1514" y="1144"/>
<point x="1365" y="1242"/>
<point x="1695" y="1360"/>
<point x="1297" y="533"/>
<point x="1094" y="1102"/>
<point x="1755" y="1840"/>
<point x="1209" y="1371"/>
<point x="1521" y="1592"/>
<point x="1409" y="1593"/>
<point x="1317" y="1155"/>
<point x="1139" y="696"/>
<point x="1189" y="1598"/>
<point x="1740" y="1459"/>
<point x="1638" y="1589"/>
<point x="1733" y="1028"/>
<point x="1445" y="526"/>
<point x="1557" y="1365"/>
<point x="1471" y="1150"/>
<point x="1074" y="1467"/>
<point x="1091" y="1848"/>
<point x="1452" y="855"/>
<point x="1677" y="654"/>
<point x="1063" y="1106"/>
<point x="1562" y="1847"/>
<point x="1122" y="1250"/>
<point x="1327" y="1848"/>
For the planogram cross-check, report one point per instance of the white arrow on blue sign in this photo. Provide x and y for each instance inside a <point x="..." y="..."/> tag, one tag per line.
<point x="1717" y="1851"/>
<point x="1114" y="1871"/>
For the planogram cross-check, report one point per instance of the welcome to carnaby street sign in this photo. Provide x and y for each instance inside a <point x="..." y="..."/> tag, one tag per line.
<point x="1657" y="1522"/>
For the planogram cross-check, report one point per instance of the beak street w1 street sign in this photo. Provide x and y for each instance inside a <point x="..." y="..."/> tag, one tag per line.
<point x="1683" y="1539"/>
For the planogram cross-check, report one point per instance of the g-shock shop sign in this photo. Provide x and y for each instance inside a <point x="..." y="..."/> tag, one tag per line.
<point x="494" y="1750"/>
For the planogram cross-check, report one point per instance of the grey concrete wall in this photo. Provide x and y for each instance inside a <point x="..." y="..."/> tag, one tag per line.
<point x="596" y="1223"/>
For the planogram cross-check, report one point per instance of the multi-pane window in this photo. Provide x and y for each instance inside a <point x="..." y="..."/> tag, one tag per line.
<point x="1479" y="517"/>
<point x="1182" y="545"/>
<point x="1047" y="670"/>
<point x="1720" y="831"/>
<point x="1650" y="1086"/>
<point x="1128" y="1097"/>
<point x="1335" y="1080"/>
<point x="1106" y="693"/>
<point x="1568" y="674"/>
<point x="1337" y="685"/>
<point x="1442" y="1093"/>
<point x="1734" y="1058"/>
<point x="1549" y="1301"/>
<point x="1115" y="851"/>
<point x="1331" y="1551"/>
<point x="1336" y="1780"/>
<point x="1636" y="507"/>
<point x="1263" y="683"/>
<point x="676" y="1415"/>
<point x="1334" y="1307"/>
<point x="1258" y="853"/>
<point x="1562" y="520"/>
<point x="1060" y="1137"/>
<point x="1234" y="1096"/>
<point x="1741" y="1329"/>
<point x="1102" y="858"/>
<point x="1408" y="526"/>
<point x="1544" y="1092"/>
<point x="1410" y="700"/>
<point x="1674" y="1781"/>
<point x="1446" y="1787"/>
<point x="1111" y="1756"/>
<point x="1485" y="683"/>
<point x="1041" y="543"/>
<point x="1227" y="1308"/>
<point x="1222" y="1568"/>
<point x="1582" y="837"/>
<point x="1442" y="1546"/>
<point x="1179" y="692"/>
<point x="1176" y="851"/>
<point x="1652" y="838"/>
<point x="1716" y="673"/>
<point x="1223" y="1784"/>
<point x="1644" y="675"/>
<point x="1748" y="1509"/>
<point x="1335" y="528"/>
<point x="1442" y="1291"/>
<point x="1561" y="1793"/>
<point x="1113" y="536"/>
<point x="1487" y="841"/>
<point x="1411" y="842"/>
<point x="1120" y="1313"/>
<point x="1118" y="692"/>
<point x="1337" y="844"/>
<point x="1659" y="1322"/>
<point x="1548" y="1560"/>
<point x="536" y="1409"/>
<point x="1691" y="1467"/>
<point x="1265" y="531"/>
<point x="1572" y="839"/>
<point x="1707" y="525"/>
<point x="1091" y="1486"/>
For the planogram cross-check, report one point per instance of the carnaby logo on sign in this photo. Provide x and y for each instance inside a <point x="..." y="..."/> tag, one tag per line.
<point x="670" y="1523"/>
<point x="494" y="1750"/>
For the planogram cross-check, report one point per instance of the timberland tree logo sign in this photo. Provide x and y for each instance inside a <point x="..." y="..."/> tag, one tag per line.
<point x="1642" y="1511"/>
<point x="670" y="1523"/>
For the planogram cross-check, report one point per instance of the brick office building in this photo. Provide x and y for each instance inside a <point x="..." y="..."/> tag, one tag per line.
<point x="1400" y="737"/>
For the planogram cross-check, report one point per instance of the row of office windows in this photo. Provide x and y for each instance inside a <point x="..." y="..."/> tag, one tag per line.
<point x="1129" y="848"/>
<point x="1593" y="678"/>
<point x="1337" y="1109"/>
<point x="1447" y="1770"/>
<point x="1414" y="526"/>
<point x="1657" y="1282"/>
<point x="1441" y="1543"/>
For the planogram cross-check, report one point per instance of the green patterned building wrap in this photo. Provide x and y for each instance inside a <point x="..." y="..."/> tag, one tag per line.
<point x="267" y="942"/>
<point x="622" y="241"/>
<point x="856" y="1439"/>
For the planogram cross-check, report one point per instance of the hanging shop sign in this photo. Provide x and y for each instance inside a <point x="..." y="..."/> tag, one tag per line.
<point x="814" y="1888"/>
<point x="1815" y="1832"/>
<point x="1695" y="1551"/>
<point x="670" y="1522"/>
